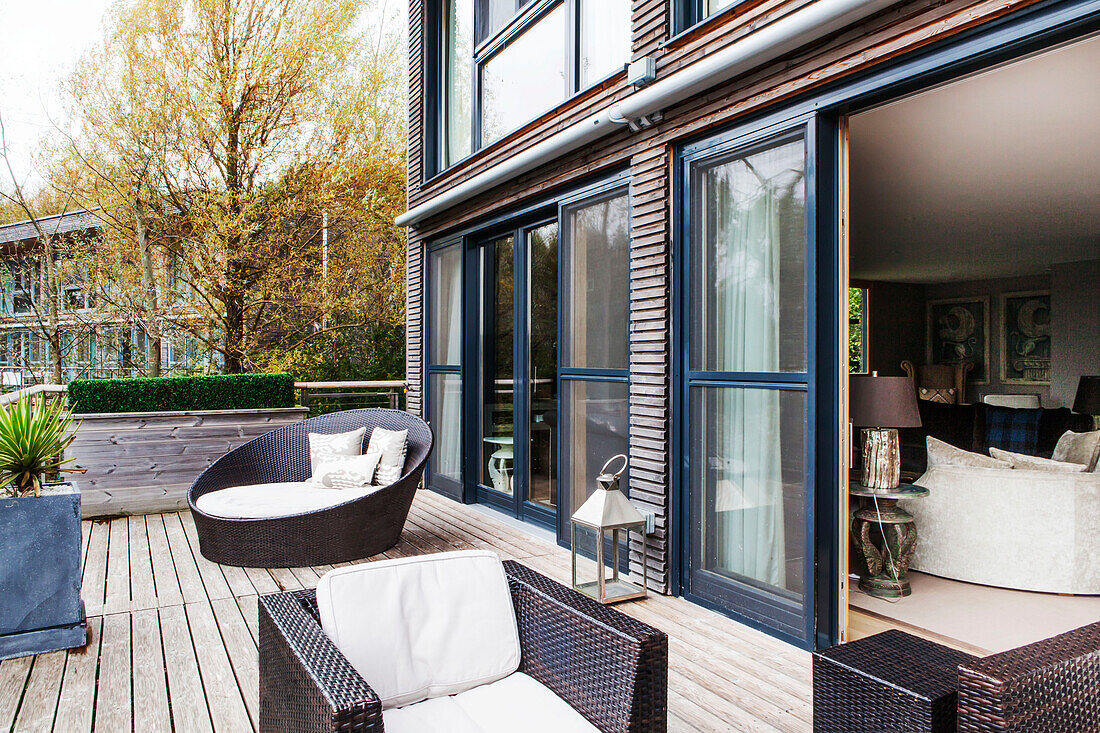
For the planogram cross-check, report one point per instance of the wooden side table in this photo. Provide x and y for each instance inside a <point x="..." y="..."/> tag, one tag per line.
<point x="881" y="519"/>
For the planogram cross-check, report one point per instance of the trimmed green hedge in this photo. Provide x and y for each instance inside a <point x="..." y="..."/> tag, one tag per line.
<point x="171" y="394"/>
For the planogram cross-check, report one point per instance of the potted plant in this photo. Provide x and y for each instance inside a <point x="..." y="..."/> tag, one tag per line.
<point x="40" y="606"/>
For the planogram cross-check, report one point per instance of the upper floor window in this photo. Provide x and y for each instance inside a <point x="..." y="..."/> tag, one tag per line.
<point x="502" y="63"/>
<point x="695" y="11"/>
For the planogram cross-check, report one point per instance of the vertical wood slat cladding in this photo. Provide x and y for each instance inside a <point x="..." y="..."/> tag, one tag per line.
<point x="414" y="253"/>
<point x="650" y="350"/>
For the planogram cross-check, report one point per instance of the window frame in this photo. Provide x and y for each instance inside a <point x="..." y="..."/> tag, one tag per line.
<point x="434" y="128"/>
<point x="689" y="13"/>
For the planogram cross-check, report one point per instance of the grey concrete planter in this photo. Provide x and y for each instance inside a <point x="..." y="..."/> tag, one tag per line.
<point x="40" y="606"/>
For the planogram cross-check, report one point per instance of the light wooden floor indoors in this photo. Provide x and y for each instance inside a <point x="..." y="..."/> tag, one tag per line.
<point x="173" y="636"/>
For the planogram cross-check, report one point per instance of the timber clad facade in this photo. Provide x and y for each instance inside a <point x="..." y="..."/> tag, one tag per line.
<point x="652" y="162"/>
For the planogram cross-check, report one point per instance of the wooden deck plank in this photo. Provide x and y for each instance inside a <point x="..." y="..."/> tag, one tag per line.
<point x="118" y="568"/>
<point x="211" y="573"/>
<point x="85" y="537"/>
<point x="165" y="581"/>
<point x="243" y="655"/>
<point x="223" y="695"/>
<point x="93" y="583"/>
<point x="150" y="684"/>
<point x="36" y="713"/>
<point x="143" y="592"/>
<point x="190" y="713"/>
<point x="192" y="657"/>
<point x="187" y="572"/>
<point x="13" y="681"/>
<point x="74" y="709"/>
<point x="261" y="580"/>
<point x="114" y="696"/>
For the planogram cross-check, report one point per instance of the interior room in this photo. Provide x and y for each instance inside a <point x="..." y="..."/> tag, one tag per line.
<point x="975" y="271"/>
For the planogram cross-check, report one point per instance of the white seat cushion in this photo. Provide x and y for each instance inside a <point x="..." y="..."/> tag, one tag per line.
<point x="264" y="501"/>
<point x="515" y="703"/>
<point x="423" y="627"/>
<point x="438" y="715"/>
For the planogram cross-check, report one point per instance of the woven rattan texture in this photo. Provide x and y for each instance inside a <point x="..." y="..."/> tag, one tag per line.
<point x="611" y="668"/>
<point x="1051" y="686"/>
<point x="350" y="531"/>
<point x="889" y="682"/>
<point x="306" y="684"/>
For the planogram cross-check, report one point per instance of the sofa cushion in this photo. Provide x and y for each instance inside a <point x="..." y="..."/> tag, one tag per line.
<point x="352" y="472"/>
<point x="264" y="501"/>
<point x="422" y="627"/>
<point x="516" y="703"/>
<point x="332" y="445"/>
<point x="391" y="446"/>
<point x="438" y="715"/>
<point x="1035" y="463"/>
<point x="1079" y="448"/>
<point x="945" y="454"/>
<point x="1013" y="430"/>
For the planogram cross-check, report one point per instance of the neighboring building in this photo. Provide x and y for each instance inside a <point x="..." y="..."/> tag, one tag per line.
<point x="94" y="344"/>
<point x="661" y="268"/>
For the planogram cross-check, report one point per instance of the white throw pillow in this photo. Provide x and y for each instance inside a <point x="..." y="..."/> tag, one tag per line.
<point x="346" y="473"/>
<point x="1079" y="448"/>
<point x="1025" y="462"/>
<point x="391" y="446"/>
<point x="333" y="445"/>
<point x="422" y="627"/>
<point x="945" y="454"/>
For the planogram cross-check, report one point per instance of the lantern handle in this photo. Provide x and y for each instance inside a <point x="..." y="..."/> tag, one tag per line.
<point x="611" y="460"/>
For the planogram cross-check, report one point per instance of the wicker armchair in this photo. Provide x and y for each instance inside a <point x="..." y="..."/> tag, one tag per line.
<point x="1051" y="686"/>
<point x="349" y="531"/>
<point x="609" y="667"/>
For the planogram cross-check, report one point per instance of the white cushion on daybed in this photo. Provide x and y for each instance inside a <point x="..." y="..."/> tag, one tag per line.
<point x="423" y="627"/>
<point x="515" y="703"/>
<point x="264" y="501"/>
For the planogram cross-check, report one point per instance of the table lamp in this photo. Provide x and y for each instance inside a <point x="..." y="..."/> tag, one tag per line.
<point x="881" y="405"/>
<point x="1087" y="401"/>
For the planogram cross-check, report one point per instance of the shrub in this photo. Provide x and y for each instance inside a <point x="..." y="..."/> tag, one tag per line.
<point x="33" y="435"/>
<point x="171" y="394"/>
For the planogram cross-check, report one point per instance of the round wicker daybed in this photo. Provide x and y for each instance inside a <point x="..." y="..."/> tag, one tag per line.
<point x="351" y="530"/>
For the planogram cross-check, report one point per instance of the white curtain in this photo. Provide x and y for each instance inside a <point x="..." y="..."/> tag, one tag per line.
<point x="746" y="230"/>
<point x="448" y="388"/>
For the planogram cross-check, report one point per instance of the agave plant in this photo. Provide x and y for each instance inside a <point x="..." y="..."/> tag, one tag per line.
<point x="33" y="437"/>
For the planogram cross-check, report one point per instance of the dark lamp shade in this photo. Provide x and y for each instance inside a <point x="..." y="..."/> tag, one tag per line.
<point x="1087" y="401"/>
<point x="882" y="402"/>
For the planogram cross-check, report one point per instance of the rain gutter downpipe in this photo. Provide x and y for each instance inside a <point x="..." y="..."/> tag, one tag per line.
<point x="776" y="39"/>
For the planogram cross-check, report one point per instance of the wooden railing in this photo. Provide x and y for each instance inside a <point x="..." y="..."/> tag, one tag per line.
<point x="324" y="397"/>
<point x="47" y="389"/>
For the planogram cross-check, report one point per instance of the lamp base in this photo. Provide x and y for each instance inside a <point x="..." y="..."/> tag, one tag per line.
<point x="881" y="458"/>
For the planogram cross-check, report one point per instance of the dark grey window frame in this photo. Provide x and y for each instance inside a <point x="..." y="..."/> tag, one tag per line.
<point x="689" y="13"/>
<point x="526" y="16"/>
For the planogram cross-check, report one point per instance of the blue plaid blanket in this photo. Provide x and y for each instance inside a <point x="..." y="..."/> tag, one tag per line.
<point x="1014" y="430"/>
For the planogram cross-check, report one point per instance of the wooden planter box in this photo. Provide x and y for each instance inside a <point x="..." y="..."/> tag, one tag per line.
<point x="144" y="462"/>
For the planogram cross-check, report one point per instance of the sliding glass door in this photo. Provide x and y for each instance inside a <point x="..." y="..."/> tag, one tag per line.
<point x="747" y="375"/>
<point x="444" y="367"/>
<point x="518" y="405"/>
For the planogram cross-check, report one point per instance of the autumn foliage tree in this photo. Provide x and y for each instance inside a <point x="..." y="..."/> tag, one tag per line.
<point x="248" y="158"/>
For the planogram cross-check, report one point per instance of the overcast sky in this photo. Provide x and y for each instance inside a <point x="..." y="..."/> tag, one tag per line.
<point x="40" y="41"/>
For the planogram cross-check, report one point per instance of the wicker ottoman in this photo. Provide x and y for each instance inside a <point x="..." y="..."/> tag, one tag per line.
<point x="888" y="682"/>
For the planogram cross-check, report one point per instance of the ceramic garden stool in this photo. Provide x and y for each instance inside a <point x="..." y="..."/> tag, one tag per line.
<point x="891" y="682"/>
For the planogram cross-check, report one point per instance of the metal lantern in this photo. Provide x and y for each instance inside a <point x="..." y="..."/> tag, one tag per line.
<point x="609" y="512"/>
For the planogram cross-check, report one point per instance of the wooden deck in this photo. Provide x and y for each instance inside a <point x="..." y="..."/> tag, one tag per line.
<point x="173" y="636"/>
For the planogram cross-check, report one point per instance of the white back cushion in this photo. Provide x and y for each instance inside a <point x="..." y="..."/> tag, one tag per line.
<point x="1079" y="448"/>
<point x="1018" y="401"/>
<point x="421" y="627"/>
<point x="351" y="472"/>
<point x="391" y="446"/>
<point x="324" y="446"/>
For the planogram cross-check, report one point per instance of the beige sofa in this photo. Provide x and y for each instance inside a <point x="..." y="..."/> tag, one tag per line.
<point x="1021" y="529"/>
